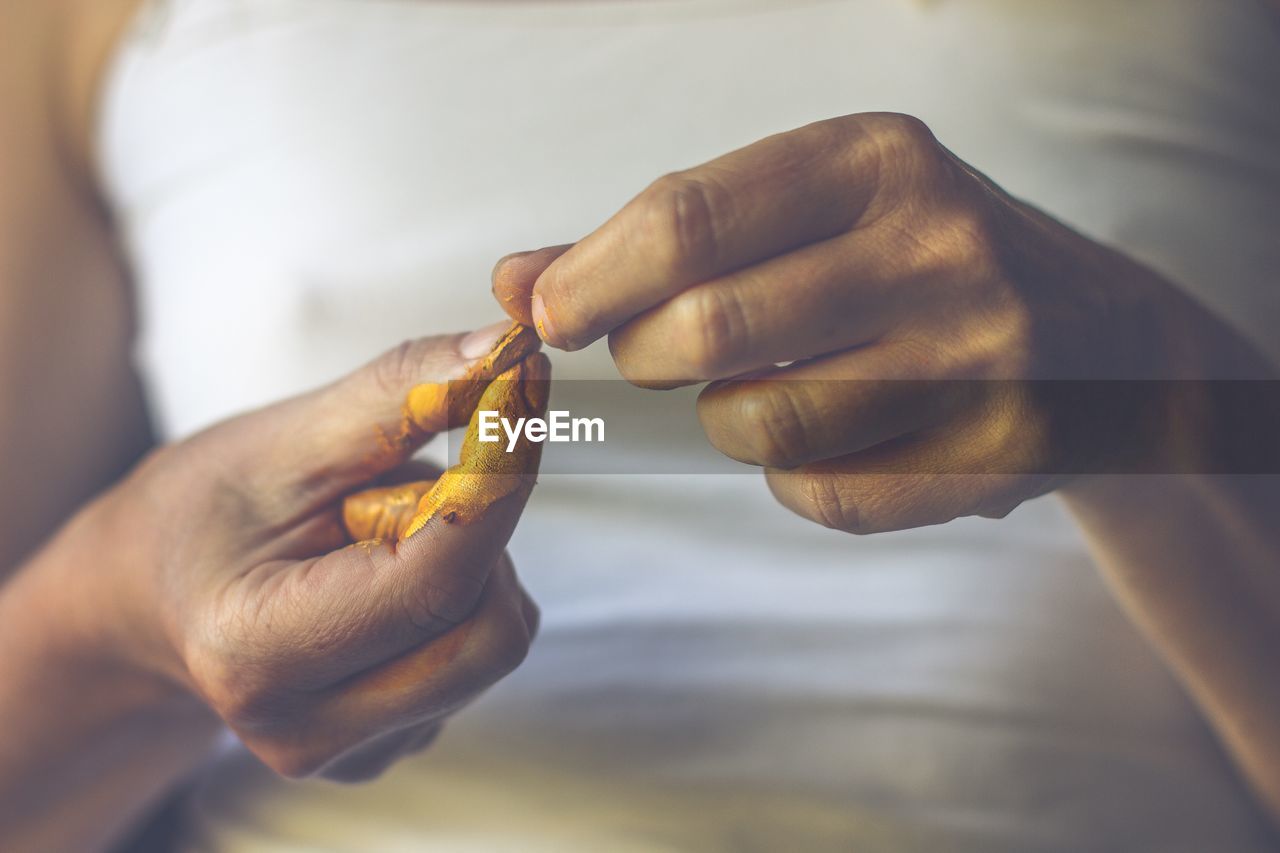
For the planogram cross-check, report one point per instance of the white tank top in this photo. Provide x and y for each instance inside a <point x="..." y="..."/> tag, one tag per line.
<point x="303" y="183"/>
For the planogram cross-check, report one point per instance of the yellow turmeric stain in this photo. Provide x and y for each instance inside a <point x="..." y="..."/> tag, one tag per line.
<point x="512" y="380"/>
<point x="486" y="472"/>
<point x="383" y="513"/>
<point x="435" y="406"/>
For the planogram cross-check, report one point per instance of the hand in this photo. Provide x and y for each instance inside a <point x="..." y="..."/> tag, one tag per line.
<point x="231" y="574"/>
<point x="920" y="312"/>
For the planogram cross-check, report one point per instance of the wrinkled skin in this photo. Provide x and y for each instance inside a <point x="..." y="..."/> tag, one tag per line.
<point x="485" y="472"/>
<point x="898" y="342"/>
<point x="334" y="648"/>
<point x="884" y="330"/>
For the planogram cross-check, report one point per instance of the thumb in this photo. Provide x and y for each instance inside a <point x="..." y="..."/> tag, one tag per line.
<point x="514" y="277"/>
<point x="326" y="442"/>
<point x="383" y="597"/>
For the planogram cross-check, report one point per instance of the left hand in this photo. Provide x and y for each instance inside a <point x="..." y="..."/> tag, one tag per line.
<point x="866" y="253"/>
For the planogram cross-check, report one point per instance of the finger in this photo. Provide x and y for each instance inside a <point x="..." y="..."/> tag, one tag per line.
<point x="841" y="495"/>
<point x="324" y="443"/>
<point x="420" y="686"/>
<point x="371" y="759"/>
<point x="819" y="299"/>
<point x="384" y="512"/>
<point x="487" y="471"/>
<point x="778" y="194"/>
<point x="373" y="600"/>
<point x="442" y="675"/>
<point x="433" y="406"/>
<point x="845" y="495"/>
<point x="828" y="407"/>
<point x="514" y="276"/>
<point x="984" y="463"/>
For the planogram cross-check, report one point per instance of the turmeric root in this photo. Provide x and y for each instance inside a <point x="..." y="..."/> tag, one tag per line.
<point x="511" y="380"/>
<point x="435" y="406"/>
<point x="486" y="471"/>
<point x="383" y="513"/>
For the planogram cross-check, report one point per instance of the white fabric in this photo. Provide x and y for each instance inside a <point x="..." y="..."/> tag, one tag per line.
<point x="303" y="183"/>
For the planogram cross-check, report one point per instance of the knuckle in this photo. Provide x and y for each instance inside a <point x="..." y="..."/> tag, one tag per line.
<point x="243" y="675"/>
<point x="506" y="647"/>
<point x="997" y="338"/>
<point x="970" y="243"/>
<point x="232" y="688"/>
<point x="1021" y="433"/>
<point x="903" y="153"/>
<point x="683" y="215"/>
<point x="1012" y="342"/>
<point x="952" y="245"/>
<point x="712" y="329"/>
<point x="240" y="708"/>
<point x="248" y="702"/>
<point x="896" y="155"/>
<point x="902" y="135"/>
<point x="775" y="428"/>
<point x="397" y="368"/>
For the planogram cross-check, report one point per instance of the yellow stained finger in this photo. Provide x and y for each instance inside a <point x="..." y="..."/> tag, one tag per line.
<point x="507" y="381"/>
<point x="486" y="472"/>
<point x="435" y="406"/>
<point x="383" y="513"/>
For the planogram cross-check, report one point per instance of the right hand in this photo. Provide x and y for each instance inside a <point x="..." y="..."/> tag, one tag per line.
<point x="229" y="572"/>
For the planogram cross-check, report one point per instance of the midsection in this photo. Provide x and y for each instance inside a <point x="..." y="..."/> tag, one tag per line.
<point x="302" y="183"/>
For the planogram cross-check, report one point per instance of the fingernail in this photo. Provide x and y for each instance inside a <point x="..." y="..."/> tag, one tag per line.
<point x="542" y="322"/>
<point x="480" y="343"/>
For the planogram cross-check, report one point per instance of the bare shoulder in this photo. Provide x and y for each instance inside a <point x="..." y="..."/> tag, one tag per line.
<point x="71" y="411"/>
<point x="52" y="68"/>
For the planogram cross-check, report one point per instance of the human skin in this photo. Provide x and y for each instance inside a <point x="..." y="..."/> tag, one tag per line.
<point x="79" y="778"/>
<point x="505" y="380"/>
<point x="213" y="585"/>
<point x="231" y="592"/>
<point x="926" y="321"/>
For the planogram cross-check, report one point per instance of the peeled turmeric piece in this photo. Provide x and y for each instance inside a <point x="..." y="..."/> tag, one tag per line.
<point x="486" y="471"/>
<point x="511" y="380"/>
<point x="435" y="406"/>
<point x="383" y="513"/>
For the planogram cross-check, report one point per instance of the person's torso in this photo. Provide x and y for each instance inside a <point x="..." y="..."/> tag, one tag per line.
<point x="304" y="183"/>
